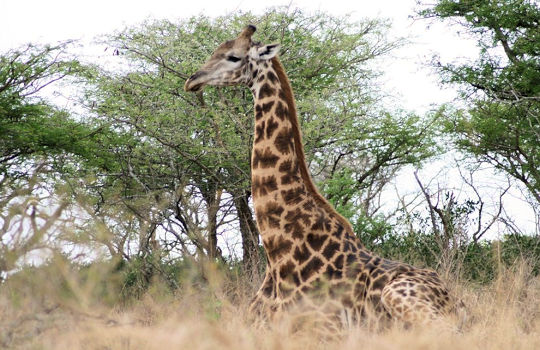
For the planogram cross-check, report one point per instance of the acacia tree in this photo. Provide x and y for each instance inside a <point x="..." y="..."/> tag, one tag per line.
<point x="501" y="124"/>
<point x="28" y="124"/>
<point x="187" y="159"/>
<point x="35" y="137"/>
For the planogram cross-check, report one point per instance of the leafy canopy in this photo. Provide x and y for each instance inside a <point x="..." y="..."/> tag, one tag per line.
<point x="502" y="86"/>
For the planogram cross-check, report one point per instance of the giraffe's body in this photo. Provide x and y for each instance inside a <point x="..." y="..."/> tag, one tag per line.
<point x="315" y="262"/>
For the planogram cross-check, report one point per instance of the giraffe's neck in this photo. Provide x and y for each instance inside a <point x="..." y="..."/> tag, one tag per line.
<point x="288" y="207"/>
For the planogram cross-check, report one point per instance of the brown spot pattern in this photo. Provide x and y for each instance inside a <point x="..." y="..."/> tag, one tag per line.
<point x="284" y="141"/>
<point x="269" y="215"/>
<point x="293" y="224"/>
<point x="301" y="253"/>
<point x="271" y="127"/>
<point x="322" y="223"/>
<point x="277" y="247"/>
<point x="312" y="267"/>
<point x="282" y="95"/>
<point x="295" y="229"/>
<point x="294" y="195"/>
<point x="281" y="111"/>
<point x="266" y="91"/>
<point x="264" y="158"/>
<point x="264" y="185"/>
<point x="272" y="77"/>
<point x="286" y="269"/>
<point x="258" y="112"/>
<point x="331" y="249"/>
<point x="259" y="131"/>
<point x="292" y="174"/>
<point x="266" y="107"/>
<point x="316" y="241"/>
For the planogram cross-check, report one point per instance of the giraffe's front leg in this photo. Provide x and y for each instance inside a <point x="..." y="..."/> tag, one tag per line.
<point x="263" y="304"/>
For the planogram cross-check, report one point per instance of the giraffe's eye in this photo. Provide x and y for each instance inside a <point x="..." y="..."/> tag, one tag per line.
<point x="233" y="59"/>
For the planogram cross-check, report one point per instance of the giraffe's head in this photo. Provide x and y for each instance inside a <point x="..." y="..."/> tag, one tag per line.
<point x="233" y="63"/>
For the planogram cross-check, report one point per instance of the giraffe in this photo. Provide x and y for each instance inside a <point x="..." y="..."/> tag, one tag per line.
<point x="315" y="262"/>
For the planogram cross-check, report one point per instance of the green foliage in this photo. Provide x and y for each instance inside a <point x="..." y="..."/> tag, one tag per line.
<point x="30" y="126"/>
<point x="211" y="143"/>
<point x="165" y="172"/>
<point x="116" y="282"/>
<point x="479" y="262"/>
<point x="60" y="281"/>
<point x="484" y="260"/>
<point x="42" y="150"/>
<point x="182" y="150"/>
<point x="502" y="87"/>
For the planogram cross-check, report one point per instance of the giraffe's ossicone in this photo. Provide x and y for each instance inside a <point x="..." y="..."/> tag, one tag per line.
<point x="315" y="262"/>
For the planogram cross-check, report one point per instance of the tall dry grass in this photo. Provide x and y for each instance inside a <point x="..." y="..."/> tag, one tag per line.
<point x="54" y="308"/>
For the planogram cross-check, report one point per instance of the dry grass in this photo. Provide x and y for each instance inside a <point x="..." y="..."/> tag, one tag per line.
<point x="35" y="315"/>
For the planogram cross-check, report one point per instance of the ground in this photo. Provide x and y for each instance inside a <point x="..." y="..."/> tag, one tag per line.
<point x="502" y="315"/>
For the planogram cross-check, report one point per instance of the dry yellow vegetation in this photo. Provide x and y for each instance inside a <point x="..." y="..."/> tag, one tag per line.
<point x="37" y="313"/>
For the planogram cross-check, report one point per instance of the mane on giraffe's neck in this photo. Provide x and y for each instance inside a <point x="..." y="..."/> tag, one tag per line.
<point x="298" y="146"/>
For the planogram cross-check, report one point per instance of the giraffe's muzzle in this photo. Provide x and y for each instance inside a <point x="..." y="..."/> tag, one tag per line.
<point x="195" y="82"/>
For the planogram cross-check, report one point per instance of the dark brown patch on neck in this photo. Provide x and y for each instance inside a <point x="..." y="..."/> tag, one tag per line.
<point x="266" y="91"/>
<point x="266" y="159"/>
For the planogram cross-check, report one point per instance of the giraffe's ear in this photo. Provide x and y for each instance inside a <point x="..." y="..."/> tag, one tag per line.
<point x="266" y="52"/>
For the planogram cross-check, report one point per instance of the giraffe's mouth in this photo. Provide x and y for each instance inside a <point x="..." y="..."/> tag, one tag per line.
<point x="193" y="87"/>
<point x="194" y="82"/>
<point x="196" y="88"/>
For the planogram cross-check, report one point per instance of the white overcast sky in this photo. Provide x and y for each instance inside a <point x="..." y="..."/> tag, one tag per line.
<point x="23" y="21"/>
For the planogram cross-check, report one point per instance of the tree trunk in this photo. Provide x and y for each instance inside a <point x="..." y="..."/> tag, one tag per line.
<point x="213" y="208"/>
<point x="212" y="197"/>
<point x="252" y="259"/>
